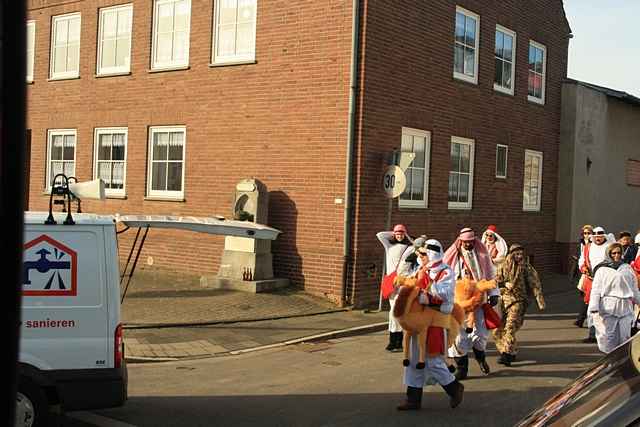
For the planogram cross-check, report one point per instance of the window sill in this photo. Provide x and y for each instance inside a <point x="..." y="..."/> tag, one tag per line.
<point x="116" y="196"/>
<point x="56" y="79"/>
<point x="232" y="63"/>
<point x="460" y="208"/>
<point x="465" y="79"/>
<point x="164" y="199"/>
<point x="536" y="101"/>
<point x="101" y="76"/>
<point x="164" y="70"/>
<point x="412" y="207"/>
<point x="502" y="91"/>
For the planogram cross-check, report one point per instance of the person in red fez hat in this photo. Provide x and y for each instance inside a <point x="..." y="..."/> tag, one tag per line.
<point x="395" y="243"/>
<point x="495" y="244"/>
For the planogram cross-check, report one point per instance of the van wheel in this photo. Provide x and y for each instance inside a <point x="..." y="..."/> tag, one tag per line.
<point x="32" y="408"/>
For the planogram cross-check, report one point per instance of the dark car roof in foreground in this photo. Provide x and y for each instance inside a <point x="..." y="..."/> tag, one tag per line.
<point x="607" y="394"/>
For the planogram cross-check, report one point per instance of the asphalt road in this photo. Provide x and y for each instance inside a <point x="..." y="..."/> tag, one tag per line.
<point x="349" y="382"/>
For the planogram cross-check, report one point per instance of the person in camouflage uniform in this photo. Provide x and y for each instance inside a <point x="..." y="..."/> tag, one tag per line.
<point x="517" y="280"/>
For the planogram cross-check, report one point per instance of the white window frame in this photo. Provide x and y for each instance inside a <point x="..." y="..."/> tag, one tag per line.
<point x="497" y="87"/>
<point x="471" y="143"/>
<point x="424" y="203"/>
<point x="62" y="132"/>
<point x="506" y="160"/>
<point x="530" y="207"/>
<point x="154" y="35"/>
<point x="96" y="139"/>
<point x="234" y="58"/>
<point x="105" y="71"/>
<point x="31" y="50"/>
<point x="162" y="194"/>
<point x="462" y="76"/>
<point x="67" y="74"/>
<point x="537" y="45"/>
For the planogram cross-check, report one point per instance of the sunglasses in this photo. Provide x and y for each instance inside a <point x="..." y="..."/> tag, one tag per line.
<point x="599" y="233"/>
<point x="423" y="253"/>
<point x="587" y="233"/>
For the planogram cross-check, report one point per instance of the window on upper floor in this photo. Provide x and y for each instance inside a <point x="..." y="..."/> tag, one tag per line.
<point x="61" y="154"/>
<point x="465" y="46"/>
<point x="110" y="159"/>
<point x="166" y="162"/>
<point x="114" y="40"/>
<point x="171" y="23"/>
<point x="461" y="173"/>
<point x="501" y="160"/>
<point x="505" y="60"/>
<point x="234" y="35"/>
<point x="416" y="192"/>
<point x="532" y="191"/>
<point x="537" y="72"/>
<point x="65" y="46"/>
<point x="31" y="45"/>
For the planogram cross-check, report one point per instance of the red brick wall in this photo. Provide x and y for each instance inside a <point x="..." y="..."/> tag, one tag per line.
<point x="282" y="120"/>
<point x="408" y="81"/>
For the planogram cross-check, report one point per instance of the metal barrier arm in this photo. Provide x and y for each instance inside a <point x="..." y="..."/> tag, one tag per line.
<point x="135" y="261"/>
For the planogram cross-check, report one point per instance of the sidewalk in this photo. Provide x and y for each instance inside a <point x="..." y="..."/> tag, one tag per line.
<point x="163" y="325"/>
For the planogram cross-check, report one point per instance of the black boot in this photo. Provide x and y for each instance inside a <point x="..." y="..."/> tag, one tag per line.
<point x="414" y="400"/>
<point x="481" y="358"/>
<point x="455" y="390"/>
<point x="397" y="347"/>
<point x="462" y="367"/>
<point x="592" y="336"/>
<point x="391" y="344"/>
<point x="582" y="316"/>
<point x="506" y="359"/>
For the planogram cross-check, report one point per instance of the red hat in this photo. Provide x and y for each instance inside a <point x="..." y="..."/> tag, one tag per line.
<point x="492" y="228"/>
<point x="399" y="228"/>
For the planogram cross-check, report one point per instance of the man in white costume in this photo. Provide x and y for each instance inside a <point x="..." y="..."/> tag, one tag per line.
<point x="613" y="294"/>
<point x="438" y="280"/>
<point x="593" y="254"/>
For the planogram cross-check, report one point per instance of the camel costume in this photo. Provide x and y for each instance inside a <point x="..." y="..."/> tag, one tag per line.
<point x="436" y="302"/>
<point x="474" y="264"/>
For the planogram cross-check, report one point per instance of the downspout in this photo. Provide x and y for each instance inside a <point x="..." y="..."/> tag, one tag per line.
<point x="351" y="136"/>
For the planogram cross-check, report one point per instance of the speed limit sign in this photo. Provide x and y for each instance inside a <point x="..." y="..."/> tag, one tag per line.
<point x="394" y="182"/>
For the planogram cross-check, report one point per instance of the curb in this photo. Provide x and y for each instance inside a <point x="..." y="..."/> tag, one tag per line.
<point x="225" y="322"/>
<point x="341" y="333"/>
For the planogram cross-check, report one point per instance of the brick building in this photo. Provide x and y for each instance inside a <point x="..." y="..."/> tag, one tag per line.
<point x="174" y="101"/>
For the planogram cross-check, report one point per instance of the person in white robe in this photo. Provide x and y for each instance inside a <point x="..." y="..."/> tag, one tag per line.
<point x="613" y="295"/>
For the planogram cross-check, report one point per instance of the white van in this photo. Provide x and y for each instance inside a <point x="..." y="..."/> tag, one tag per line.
<point x="71" y="346"/>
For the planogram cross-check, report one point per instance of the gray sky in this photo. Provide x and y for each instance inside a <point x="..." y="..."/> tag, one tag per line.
<point x="605" y="49"/>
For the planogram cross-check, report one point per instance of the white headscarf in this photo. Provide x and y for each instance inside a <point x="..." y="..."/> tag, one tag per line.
<point x="501" y="246"/>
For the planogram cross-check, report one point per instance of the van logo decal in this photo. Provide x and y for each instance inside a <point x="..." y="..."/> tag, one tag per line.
<point x="49" y="268"/>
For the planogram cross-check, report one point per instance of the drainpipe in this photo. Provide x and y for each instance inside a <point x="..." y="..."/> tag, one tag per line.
<point x="351" y="136"/>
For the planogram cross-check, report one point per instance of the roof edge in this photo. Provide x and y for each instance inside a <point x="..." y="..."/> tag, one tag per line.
<point x="613" y="93"/>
